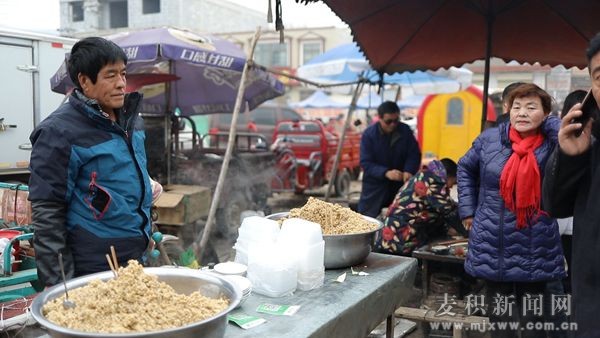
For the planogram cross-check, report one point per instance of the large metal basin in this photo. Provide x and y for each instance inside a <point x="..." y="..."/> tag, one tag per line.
<point x="183" y="280"/>
<point x="342" y="251"/>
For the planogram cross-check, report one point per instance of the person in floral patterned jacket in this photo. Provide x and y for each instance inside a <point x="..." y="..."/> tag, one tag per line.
<point x="422" y="210"/>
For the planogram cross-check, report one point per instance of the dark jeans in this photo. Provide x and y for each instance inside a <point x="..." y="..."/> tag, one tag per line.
<point x="566" y="241"/>
<point x="554" y="288"/>
<point x="515" y="291"/>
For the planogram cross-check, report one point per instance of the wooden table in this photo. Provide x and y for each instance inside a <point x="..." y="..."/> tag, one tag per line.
<point x="426" y="256"/>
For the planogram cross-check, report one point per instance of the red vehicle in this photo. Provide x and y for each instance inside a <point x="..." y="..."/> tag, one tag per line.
<point x="306" y="153"/>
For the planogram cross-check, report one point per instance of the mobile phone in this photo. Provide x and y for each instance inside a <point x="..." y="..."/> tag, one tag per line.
<point x="589" y="110"/>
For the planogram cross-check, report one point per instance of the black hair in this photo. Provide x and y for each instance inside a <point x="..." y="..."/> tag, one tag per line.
<point x="574" y="97"/>
<point x="450" y="167"/>
<point x="509" y="89"/>
<point x="387" y="107"/>
<point x="593" y="48"/>
<point x="89" y="55"/>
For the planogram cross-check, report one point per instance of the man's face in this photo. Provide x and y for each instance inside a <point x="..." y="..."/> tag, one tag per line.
<point x="595" y="77"/>
<point x="389" y="121"/>
<point x="109" y="89"/>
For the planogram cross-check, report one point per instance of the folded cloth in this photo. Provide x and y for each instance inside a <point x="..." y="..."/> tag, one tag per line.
<point x="3" y="243"/>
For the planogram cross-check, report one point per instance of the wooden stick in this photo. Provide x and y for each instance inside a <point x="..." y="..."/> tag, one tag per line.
<point x="110" y="264"/>
<point x="452" y="241"/>
<point x="200" y="244"/>
<point x="340" y="145"/>
<point x="114" y="257"/>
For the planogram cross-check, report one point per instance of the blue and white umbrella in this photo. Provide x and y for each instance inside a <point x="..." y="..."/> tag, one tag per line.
<point x="413" y="101"/>
<point x="319" y="99"/>
<point x="345" y="64"/>
<point x="369" y="100"/>
<point x="372" y="101"/>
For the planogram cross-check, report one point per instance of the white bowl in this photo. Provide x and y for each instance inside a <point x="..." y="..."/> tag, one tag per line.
<point x="243" y="284"/>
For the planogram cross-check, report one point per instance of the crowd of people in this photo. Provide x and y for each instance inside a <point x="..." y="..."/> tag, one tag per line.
<point x="526" y="201"/>
<point x="516" y="180"/>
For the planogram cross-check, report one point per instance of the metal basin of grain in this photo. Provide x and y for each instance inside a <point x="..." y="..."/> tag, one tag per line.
<point x="342" y="251"/>
<point x="183" y="281"/>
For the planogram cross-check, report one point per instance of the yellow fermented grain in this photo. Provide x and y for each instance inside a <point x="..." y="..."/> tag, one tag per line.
<point x="133" y="302"/>
<point x="334" y="218"/>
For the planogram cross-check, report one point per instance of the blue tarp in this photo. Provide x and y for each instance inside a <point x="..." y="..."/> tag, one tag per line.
<point x="319" y="99"/>
<point x="345" y="64"/>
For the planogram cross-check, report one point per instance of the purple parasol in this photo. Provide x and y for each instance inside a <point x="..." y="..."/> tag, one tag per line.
<point x="209" y="70"/>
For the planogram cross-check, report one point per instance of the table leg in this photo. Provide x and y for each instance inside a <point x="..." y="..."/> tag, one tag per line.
<point x="389" y="326"/>
<point x="425" y="279"/>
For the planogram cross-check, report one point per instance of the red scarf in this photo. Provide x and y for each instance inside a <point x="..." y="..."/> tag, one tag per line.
<point x="520" y="183"/>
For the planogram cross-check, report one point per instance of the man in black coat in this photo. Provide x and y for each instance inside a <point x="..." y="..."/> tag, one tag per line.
<point x="389" y="155"/>
<point x="572" y="188"/>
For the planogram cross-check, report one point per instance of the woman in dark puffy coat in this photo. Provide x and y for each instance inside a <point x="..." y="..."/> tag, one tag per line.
<point x="513" y="245"/>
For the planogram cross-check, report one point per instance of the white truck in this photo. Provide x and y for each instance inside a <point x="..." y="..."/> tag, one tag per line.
<point x="28" y="62"/>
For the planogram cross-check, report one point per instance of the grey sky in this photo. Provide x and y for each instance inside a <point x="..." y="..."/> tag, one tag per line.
<point x="44" y="14"/>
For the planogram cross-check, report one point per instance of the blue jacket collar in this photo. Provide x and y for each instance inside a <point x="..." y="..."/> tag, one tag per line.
<point x="92" y="109"/>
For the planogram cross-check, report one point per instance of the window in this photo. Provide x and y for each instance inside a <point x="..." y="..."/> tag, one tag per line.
<point x="272" y="54"/>
<point x="225" y="119"/>
<point x="118" y="14"/>
<point x="455" y="112"/>
<point x="151" y="6"/>
<point x="288" y="114"/>
<point x="263" y="116"/>
<point x="76" y="11"/>
<point x="310" y="49"/>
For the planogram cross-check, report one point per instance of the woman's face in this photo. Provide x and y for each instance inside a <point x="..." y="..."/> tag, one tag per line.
<point x="526" y="115"/>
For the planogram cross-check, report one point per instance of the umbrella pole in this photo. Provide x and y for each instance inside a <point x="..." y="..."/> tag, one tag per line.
<point x="198" y="247"/>
<point x="398" y="93"/>
<point x="168" y="146"/>
<point x="486" y="71"/>
<point x="338" y="153"/>
<point x="168" y="122"/>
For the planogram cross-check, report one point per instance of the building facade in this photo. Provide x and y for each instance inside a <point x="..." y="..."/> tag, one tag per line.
<point x="100" y="17"/>
<point x="298" y="47"/>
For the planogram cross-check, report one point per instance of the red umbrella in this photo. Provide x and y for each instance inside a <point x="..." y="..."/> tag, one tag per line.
<point x="137" y="81"/>
<point x="412" y="35"/>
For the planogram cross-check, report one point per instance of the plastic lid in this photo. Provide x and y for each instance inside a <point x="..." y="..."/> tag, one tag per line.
<point x="300" y="231"/>
<point x="231" y="268"/>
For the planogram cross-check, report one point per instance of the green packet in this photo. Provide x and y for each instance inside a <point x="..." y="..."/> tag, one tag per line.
<point x="245" y="321"/>
<point x="278" y="310"/>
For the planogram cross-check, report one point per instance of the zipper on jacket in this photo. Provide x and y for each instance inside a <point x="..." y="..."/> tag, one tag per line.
<point x="129" y="138"/>
<point x="142" y="184"/>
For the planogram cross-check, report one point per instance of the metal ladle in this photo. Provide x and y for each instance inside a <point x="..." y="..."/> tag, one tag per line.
<point x="67" y="304"/>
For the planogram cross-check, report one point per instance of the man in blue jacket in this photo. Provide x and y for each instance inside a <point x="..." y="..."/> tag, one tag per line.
<point x="89" y="186"/>
<point x="389" y="155"/>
